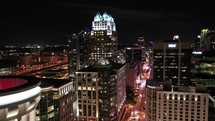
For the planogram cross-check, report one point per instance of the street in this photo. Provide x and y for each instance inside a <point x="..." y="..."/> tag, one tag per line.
<point x="136" y="112"/>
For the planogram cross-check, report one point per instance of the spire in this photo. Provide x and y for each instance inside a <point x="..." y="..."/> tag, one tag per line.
<point x="111" y="18"/>
<point x="105" y="16"/>
<point x="98" y="17"/>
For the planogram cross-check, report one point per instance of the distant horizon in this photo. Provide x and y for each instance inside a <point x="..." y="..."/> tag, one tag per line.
<point x="48" y="22"/>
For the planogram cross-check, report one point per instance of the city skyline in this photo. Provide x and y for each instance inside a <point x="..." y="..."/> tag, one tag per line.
<point x="91" y="78"/>
<point x="48" y="22"/>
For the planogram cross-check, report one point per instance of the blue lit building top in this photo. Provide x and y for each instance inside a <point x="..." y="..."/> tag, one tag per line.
<point x="104" y="17"/>
<point x="103" y="22"/>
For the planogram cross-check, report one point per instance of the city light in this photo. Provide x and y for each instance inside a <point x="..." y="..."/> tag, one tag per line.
<point x="104" y="74"/>
<point x="171" y="45"/>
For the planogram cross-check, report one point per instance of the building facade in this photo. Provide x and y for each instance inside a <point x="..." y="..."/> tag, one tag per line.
<point x="56" y="100"/>
<point x="104" y="38"/>
<point x="172" y="60"/>
<point x="78" y="56"/>
<point x="202" y="69"/>
<point x="134" y="54"/>
<point x="101" y="91"/>
<point x="73" y="54"/>
<point x="151" y="101"/>
<point x="177" y="104"/>
<point x="79" y="50"/>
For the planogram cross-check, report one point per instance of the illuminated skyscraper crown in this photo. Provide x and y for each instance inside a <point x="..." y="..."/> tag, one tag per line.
<point x="103" y="22"/>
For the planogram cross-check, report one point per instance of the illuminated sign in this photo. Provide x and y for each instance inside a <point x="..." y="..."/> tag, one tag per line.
<point x="197" y="52"/>
<point x="172" y="45"/>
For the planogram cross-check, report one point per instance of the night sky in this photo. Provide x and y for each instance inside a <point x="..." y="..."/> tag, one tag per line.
<point x="34" y="22"/>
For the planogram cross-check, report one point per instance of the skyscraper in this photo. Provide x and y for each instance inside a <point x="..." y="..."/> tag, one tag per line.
<point x="78" y="57"/>
<point x="104" y="37"/>
<point x="85" y="47"/>
<point x="73" y="54"/>
<point x="79" y="50"/>
<point x="172" y="60"/>
<point x="197" y="43"/>
<point x="101" y="91"/>
<point x="88" y="46"/>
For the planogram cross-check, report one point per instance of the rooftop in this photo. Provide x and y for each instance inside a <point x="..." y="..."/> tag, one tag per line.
<point x="56" y="83"/>
<point x="167" y="86"/>
<point x="15" y="84"/>
<point x="93" y="68"/>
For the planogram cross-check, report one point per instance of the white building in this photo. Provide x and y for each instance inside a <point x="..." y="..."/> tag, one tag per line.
<point x="178" y="104"/>
<point x="19" y="97"/>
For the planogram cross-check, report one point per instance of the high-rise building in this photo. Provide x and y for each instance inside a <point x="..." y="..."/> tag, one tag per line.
<point x="202" y="68"/>
<point x="79" y="50"/>
<point x="19" y="97"/>
<point x="202" y="71"/>
<point x="172" y="60"/>
<point x="73" y="54"/>
<point x="101" y="90"/>
<point x="151" y="100"/>
<point x="78" y="57"/>
<point x="56" y="100"/>
<point x="207" y="41"/>
<point x="196" y="46"/>
<point x="104" y="38"/>
<point x="178" y="104"/>
<point x="134" y="54"/>
<point x="85" y="47"/>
